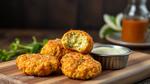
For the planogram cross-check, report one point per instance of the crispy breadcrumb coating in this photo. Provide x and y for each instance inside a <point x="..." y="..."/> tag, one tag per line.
<point x="37" y="64"/>
<point x="54" y="48"/>
<point x="77" y="40"/>
<point x="79" y="66"/>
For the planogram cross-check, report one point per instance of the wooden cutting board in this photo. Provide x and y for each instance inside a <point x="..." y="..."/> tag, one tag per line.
<point x="138" y="68"/>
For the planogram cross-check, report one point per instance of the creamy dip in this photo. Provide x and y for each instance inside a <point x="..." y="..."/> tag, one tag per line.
<point x="109" y="51"/>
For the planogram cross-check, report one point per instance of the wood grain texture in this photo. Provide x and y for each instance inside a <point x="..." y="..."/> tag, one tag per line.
<point x="138" y="68"/>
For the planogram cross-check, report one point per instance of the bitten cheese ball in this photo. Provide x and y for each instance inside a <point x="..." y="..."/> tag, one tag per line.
<point x="37" y="64"/>
<point x="77" y="40"/>
<point x="79" y="66"/>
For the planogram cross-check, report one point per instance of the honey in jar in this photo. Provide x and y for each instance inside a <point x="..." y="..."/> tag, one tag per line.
<point x="135" y="22"/>
<point x="134" y="30"/>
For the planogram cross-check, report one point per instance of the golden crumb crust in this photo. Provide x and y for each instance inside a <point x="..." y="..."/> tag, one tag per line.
<point x="77" y="40"/>
<point x="37" y="64"/>
<point x="54" y="48"/>
<point x="79" y="66"/>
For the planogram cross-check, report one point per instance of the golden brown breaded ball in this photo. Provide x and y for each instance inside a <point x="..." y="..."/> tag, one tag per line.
<point x="37" y="64"/>
<point x="79" y="66"/>
<point x="54" y="48"/>
<point x="77" y="40"/>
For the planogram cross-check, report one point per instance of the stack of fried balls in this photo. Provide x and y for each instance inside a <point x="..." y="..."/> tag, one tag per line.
<point x="70" y="54"/>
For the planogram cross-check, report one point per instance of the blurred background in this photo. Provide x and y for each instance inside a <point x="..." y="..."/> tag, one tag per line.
<point x="25" y="18"/>
<point x="49" y="14"/>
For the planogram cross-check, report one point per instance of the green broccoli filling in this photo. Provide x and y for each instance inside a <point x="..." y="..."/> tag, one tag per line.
<point x="76" y="41"/>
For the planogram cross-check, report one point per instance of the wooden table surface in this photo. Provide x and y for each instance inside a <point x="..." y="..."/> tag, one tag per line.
<point x="8" y="35"/>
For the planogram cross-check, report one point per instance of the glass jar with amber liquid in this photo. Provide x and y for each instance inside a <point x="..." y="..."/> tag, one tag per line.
<point x="135" y="22"/>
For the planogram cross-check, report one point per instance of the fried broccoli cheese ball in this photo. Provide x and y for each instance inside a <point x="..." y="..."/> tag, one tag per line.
<point x="79" y="66"/>
<point x="54" y="48"/>
<point x="77" y="40"/>
<point x="37" y="64"/>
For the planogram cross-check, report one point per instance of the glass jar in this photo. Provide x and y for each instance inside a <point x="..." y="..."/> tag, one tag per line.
<point x="135" y="22"/>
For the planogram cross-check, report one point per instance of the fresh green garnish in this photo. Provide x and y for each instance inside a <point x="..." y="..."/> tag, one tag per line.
<point x="16" y="48"/>
<point x="106" y="30"/>
<point x="113" y="24"/>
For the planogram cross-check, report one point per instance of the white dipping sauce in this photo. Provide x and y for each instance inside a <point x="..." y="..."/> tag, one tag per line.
<point x="109" y="51"/>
